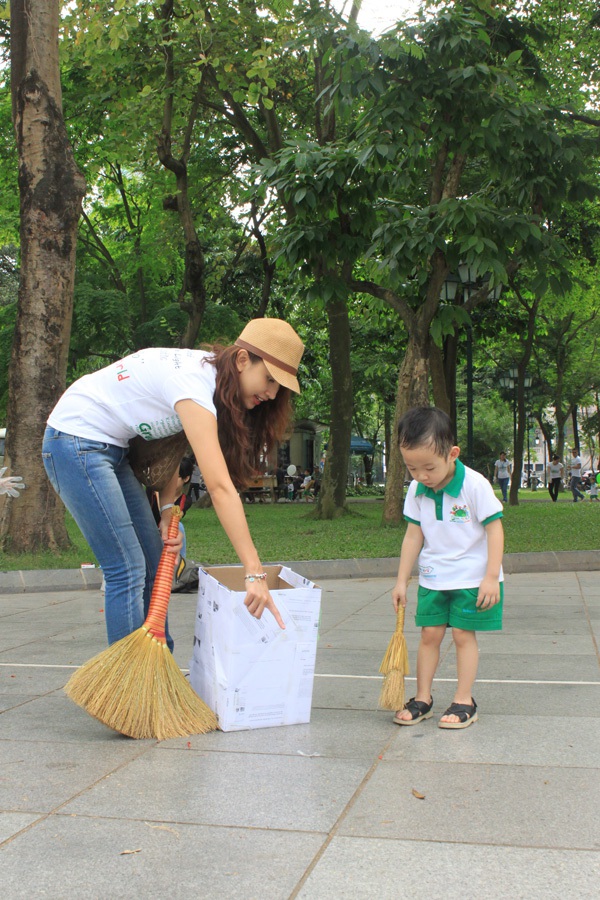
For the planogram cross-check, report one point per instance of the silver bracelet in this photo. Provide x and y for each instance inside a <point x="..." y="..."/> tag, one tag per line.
<point x="167" y="506"/>
<point x="260" y="577"/>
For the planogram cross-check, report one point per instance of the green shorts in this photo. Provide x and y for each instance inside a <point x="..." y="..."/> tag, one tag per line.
<point x="458" y="609"/>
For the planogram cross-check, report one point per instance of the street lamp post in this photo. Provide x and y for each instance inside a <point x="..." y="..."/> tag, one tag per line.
<point x="510" y="381"/>
<point x="471" y="282"/>
<point x="513" y="373"/>
<point x="529" y="478"/>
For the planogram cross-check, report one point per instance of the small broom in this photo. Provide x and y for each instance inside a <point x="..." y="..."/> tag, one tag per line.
<point x="135" y="686"/>
<point x="394" y="667"/>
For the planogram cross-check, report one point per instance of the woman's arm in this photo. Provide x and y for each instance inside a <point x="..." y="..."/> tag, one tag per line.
<point x="200" y="426"/>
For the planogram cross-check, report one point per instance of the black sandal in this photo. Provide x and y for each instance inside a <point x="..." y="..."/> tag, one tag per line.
<point x="418" y="711"/>
<point x="467" y="714"/>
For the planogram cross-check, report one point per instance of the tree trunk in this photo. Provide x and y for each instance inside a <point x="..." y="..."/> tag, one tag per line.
<point x="413" y="390"/>
<point x="444" y="394"/>
<point x="527" y="344"/>
<point x="387" y="425"/>
<point x="192" y="296"/>
<point x="51" y="190"/>
<point x="575" y="424"/>
<point x="332" y="496"/>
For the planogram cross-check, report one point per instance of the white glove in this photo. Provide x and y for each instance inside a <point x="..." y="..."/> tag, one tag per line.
<point x="11" y="485"/>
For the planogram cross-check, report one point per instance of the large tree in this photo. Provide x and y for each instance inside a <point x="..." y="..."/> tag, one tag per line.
<point x="51" y="189"/>
<point x="451" y="155"/>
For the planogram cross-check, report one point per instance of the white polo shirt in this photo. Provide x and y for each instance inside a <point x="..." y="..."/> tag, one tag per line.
<point x="453" y="521"/>
<point x="136" y="396"/>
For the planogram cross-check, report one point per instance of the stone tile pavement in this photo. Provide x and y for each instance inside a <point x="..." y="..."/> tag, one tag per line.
<point x="323" y="811"/>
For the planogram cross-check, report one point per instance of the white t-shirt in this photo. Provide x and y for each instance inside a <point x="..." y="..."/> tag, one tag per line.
<point x="555" y="469"/>
<point x="136" y="396"/>
<point x="504" y="468"/>
<point x="453" y="520"/>
<point x="576" y="466"/>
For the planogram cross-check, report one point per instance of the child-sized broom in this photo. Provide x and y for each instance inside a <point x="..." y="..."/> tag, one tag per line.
<point x="135" y="686"/>
<point x="394" y="667"/>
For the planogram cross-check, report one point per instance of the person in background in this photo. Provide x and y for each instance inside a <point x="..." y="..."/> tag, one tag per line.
<point x="234" y="405"/>
<point x="575" y="481"/>
<point x="196" y="481"/>
<point x="297" y="480"/>
<point x="555" y="473"/>
<point x="502" y="473"/>
<point x="280" y="487"/>
<point x="307" y="485"/>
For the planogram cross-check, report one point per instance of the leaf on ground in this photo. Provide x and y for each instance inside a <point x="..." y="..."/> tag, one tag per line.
<point x="416" y="794"/>
<point x="162" y="828"/>
<point x="129" y="852"/>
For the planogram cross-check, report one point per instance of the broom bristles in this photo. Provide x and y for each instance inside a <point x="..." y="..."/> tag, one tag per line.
<point x="136" y="687"/>
<point x="394" y="666"/>
<point x="396" y="655"/>
<point x="392" y="691"/>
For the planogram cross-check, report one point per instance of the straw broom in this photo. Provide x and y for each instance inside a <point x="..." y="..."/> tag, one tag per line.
<point x="394" y="667"/>
<point x="135" y="686"/>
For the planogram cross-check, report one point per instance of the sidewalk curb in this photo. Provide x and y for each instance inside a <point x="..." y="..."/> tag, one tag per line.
<point x="48" y="580"/>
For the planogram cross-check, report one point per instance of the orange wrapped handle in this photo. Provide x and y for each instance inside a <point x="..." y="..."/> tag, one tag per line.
<point x="161" y="592"/>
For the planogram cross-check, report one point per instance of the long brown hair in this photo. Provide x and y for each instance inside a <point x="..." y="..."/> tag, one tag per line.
<point x="246" y="436"/>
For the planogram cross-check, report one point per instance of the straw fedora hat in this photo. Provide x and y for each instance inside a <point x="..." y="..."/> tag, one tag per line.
<point x="278" y="346"/>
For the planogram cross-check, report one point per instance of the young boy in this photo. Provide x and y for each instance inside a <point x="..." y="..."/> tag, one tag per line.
<point x="455" y="531"/>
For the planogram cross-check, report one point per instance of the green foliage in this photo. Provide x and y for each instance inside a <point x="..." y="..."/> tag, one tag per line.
<point x="286" y="531"/>
<point x="492" y="428"/>
<point x="344" y="187"/>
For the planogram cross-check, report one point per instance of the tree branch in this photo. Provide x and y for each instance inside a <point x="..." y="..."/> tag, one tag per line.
<point x="376" y="290"/>
<point x="99" y="245"/>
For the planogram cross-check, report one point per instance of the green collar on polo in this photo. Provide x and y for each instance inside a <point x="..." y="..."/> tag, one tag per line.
<point x="453" y="487"/>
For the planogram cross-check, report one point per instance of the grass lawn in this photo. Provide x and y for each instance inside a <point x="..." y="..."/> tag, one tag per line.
<point x="286" y="531"/>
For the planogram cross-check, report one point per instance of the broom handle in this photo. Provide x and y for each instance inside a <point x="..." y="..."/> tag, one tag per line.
<point x="400" y="619"/>
<point x="161" y="592"/>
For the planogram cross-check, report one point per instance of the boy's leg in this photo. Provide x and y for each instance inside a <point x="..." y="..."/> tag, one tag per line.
<point x="428" y="657"/>
<point x="467" y="661"/>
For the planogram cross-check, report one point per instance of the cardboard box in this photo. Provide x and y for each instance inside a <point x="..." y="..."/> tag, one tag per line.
<point x="252" y="673"/>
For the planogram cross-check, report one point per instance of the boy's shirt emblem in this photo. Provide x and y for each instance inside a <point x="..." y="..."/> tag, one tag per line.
<point x="460" y="514"/>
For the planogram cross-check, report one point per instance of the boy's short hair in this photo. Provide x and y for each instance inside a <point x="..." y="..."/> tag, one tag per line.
<point x="426" y="426"/>
<point x="186" y="467"/>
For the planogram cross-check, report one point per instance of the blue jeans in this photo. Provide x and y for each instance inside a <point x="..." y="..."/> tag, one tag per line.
<point x="97" y="485"/>
<point x="577" y="495"/>
<point x="503" y="482"/>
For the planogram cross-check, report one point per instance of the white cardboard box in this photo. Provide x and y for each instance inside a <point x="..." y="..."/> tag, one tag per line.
<point x="252" y="673"/>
